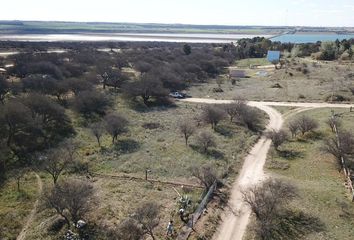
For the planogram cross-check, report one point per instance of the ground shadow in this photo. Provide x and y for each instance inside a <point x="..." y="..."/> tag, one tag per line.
<point x="224" y="131"/>
<point x="310" y="136"/>
<point x="290" y="154"/>
<point x="210" y="152"/>
<point x="152" y="106"/>
<point x="125" y="146"/>
<point x="295" y="225"/>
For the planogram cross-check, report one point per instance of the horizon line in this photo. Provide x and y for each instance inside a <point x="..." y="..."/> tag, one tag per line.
<point x="181" y="24"/>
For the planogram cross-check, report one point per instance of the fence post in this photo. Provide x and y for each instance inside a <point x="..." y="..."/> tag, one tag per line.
<point x="347" y="173"/>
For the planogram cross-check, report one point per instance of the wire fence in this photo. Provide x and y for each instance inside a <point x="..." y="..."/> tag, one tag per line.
<point x="142" y="179"/>
<point x="346" y="170"/>
<point x="187" y="230"/>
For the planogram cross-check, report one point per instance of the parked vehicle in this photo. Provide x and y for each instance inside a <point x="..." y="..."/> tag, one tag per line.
<point x="178" y="95"/>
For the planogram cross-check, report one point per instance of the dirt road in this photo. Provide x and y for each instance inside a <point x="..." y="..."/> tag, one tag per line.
<point x="33" y="212"/>
<point x="235" y="222"/>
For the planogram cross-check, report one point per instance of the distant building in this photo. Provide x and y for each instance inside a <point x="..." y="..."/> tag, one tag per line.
<point x="273" y="56"/>
<point x="236" y="73"/>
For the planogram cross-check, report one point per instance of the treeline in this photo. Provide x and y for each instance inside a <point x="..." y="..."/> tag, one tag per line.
<point x="40" y="90"/>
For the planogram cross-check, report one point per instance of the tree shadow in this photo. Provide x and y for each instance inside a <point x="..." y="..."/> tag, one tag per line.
<point x="295" y="225"/>
<point x="310" y="136"/>
<point x="210" y="152"/>
<point x="152" y="106"/>
<point x="290" y="154"/>
<point x="224" y="131"/>
<point x="126" y="146"/>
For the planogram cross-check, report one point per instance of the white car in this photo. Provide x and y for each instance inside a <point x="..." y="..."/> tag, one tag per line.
<point x="176" y="95"/>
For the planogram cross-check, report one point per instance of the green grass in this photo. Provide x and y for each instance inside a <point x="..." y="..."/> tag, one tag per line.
<point x="161" y="150"/>
<point x="15" y="206"/>
<point x="321" y="186"/>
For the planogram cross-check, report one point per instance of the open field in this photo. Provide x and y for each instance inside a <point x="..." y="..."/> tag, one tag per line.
<point x="15" y="205"/>
<point x="161" y="149"/>
<point x="321" y="186"/>
<point x="153" y="143"/>
<point x="318" y="83"/>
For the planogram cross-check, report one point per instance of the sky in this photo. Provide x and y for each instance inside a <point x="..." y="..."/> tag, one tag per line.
<point x="333" y="13"/>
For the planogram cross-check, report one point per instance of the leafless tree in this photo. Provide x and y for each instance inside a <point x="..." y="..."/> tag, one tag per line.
<point x="71" y="199"/>
<point x="97" y="130"/>
<point x="266" y="202"/>
<point x="306" y="124"/>
<point x="91" y="102"/>
<point x="4" y="89"/>
<point x="56" y="161"/>
<point x="333" y="122"/>
<point x="249" y="117"/>
<point x="18" y="175"/>
<point x="293" y="127"/>
<point x="206" y="174"/>
<point x="115" y="125"/>
<point x="213" y="115"/>
<point x="148" y="217"/>
<point x="187" y="128"/>
<point x="341" y="147"/>
<point x="128" y="229"/>
<point x="235" y="109"/>
<point x="277" y="137"/>
<point x="206" y="140"/>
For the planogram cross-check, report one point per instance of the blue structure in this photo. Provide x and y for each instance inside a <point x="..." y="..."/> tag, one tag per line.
<point x="273" y="56"/>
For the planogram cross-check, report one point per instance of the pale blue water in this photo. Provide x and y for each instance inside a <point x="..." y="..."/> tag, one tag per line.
<point x="311" y="38"/>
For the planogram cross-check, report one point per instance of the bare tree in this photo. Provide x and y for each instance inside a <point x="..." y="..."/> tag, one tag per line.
<point x="56" y="161"/>
<point x="4" y="89"/>
<point x="267" y="201"/>
<point x="213" y="115"/>
<point x="115" y="125"/>
<point x="235" y="109"/>
<point x="72" y="199"/>
<point x="97" y="130"/>
<point x="306" y="124"/>
<point x="333" y="122"/>
<point x="206" y="174"/>
<point x="277" y="137"/>
<point x="129" y="229"/>
<point x="341" y="147"/>
<point x="187" y="129"/>
<point x="90" y="102"/>
<point x="148" y="86"/>
<point x="249" y="117"/>
<point x="206" y="140"/>
<point x="148" y="217"/>
<point x="293" y="127"/>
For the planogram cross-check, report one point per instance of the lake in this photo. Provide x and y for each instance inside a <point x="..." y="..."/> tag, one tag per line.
<point x="310" y="38"/>
<point x="163" y="37"/>
<point x="170" y="37"/>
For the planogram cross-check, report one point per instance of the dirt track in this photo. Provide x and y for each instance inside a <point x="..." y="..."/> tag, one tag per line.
<point x="30" y="218"/>
<point x="235" y="222"/>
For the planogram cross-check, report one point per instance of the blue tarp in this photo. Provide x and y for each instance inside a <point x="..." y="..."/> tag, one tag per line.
<point x="273" y="56"/>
